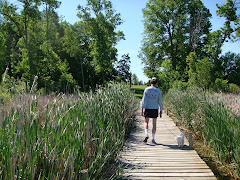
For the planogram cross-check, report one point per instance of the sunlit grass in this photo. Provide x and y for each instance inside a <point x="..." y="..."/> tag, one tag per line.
<point x="65" y="137"/>
<point x="138" y="90"/>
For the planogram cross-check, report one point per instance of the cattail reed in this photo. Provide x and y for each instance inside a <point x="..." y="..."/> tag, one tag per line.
<point x="65" y="137"/>
<point x="5" y="74"/>
<point x="34" y="82"/>
<point x="214" y="118"/>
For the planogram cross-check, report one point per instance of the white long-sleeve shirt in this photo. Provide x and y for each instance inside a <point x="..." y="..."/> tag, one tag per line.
<point x="152" y="98"/>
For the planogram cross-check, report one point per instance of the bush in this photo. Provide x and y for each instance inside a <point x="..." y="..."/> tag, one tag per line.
<point x="221" y="85"/>
<point x="233" y="88"/>
<point x="180" y="85"/>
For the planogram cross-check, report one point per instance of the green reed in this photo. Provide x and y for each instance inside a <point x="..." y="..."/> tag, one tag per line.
<point x="65" y="137"/>
<point x="212" y="118"/>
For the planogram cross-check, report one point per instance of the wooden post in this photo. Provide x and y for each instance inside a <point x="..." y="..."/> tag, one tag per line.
<point x="190" y="140"/>
<point x="167" y="111"/>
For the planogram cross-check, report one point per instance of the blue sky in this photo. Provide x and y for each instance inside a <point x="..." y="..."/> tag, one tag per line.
<point x="131" y="13"/>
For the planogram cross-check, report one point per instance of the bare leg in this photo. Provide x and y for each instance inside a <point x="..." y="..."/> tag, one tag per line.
<point x="146" y="122"/>
<point x="154" y="125"/>
<point x="154" y="121"/>
<point x="146" y="129"/>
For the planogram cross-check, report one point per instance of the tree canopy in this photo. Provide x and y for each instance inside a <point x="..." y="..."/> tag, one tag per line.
<point x="179" y="46"/>
<point x="34" y="42"/>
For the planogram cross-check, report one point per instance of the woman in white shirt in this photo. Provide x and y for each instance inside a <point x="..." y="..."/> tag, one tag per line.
<point x="151" y="101"/>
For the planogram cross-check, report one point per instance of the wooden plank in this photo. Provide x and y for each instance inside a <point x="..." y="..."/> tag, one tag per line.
<point x="149" y="170"/>
<point x="167" y="168"/>
<point x="166" y="164"/>
<point x="170" y="174"/>
<point x="164" y="160"/>
<point x="170" y="178"/>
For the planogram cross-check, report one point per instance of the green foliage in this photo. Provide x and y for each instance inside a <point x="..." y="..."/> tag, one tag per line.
<point x="138" y="90"/>
<point x="135" y="80"/>
<point x="172" y="30"/>
<point x="34" y="42"/>
<point x="10" y="87"/>
<point x="66" y="83"/>
<point x="101" y="23"/>
<point x="214" y="43"/>
<point x="221" y="85"/>
<point x="233" y="88"/>
<point x="199" y="72"/>
<point x="192" y="73"/>
<point x="3" y="53"/>
<point x="180" y="85"/>
<point x="228" y="10"/>
<point x="36" y="55"/>
<point x="230" y="67"/>
<point x="179" y="30"/>
<point x="5" y="89"/>
<point x="123" y="68"/>
<point x="203" y="70"/>
<point x="216" y="39"/>
<point x="167" y="76"/>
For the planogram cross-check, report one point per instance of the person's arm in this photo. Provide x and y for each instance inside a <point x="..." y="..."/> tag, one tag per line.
<point x="143" y="103"/>
<point x="142" y="114"/>
<point x="160" y="102"/>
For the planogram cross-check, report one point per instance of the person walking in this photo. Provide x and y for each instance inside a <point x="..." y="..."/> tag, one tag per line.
<point x="151" y="101"/>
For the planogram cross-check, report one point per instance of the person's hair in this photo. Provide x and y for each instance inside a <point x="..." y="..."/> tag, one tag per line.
<point x="153" y="80"/>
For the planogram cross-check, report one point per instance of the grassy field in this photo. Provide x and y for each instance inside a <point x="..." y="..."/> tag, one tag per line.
<point x="138" y="90"/>
<point x="65" y="137"/>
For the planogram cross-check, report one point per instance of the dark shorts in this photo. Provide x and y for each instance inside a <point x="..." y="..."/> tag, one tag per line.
<point x="151" y="113"/>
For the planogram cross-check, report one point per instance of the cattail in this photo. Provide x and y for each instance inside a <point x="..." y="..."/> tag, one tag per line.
<point x="35" y="79"/>
<point x="5" y="74"/>
<point x="72" y="137"/>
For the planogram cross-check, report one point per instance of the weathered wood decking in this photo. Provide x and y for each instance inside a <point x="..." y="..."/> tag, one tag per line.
<point x="164" y="160"/>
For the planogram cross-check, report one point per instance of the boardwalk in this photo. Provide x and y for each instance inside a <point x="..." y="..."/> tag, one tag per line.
<point x="164" y="160"/>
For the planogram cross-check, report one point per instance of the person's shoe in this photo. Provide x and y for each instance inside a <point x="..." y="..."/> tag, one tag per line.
<point x="145" y="140"/>
<point x="154" y="142"/>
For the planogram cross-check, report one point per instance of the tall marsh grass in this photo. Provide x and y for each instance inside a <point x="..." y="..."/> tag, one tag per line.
<point x="213" y="117"/>
<point x="65" y="137"/>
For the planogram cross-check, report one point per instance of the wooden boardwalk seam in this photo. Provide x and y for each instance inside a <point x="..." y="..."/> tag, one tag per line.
<point x="164" y="160"/>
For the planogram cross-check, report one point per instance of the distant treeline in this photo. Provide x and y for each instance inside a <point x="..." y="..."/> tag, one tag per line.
<point x="181" y="50"/>
<point x="34" y="42"/>
<point x="178" y="45"/>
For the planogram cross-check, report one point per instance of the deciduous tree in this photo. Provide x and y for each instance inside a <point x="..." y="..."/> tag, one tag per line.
<point x="123" y="68"/>
<point x="102" y="21"/>
<point x="173" y="28"/>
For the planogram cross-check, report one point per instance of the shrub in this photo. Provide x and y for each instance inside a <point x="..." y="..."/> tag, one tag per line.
<point x="233" y="88"/>
<point x="221" y="85"/>
<point x="180" y="85"/>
